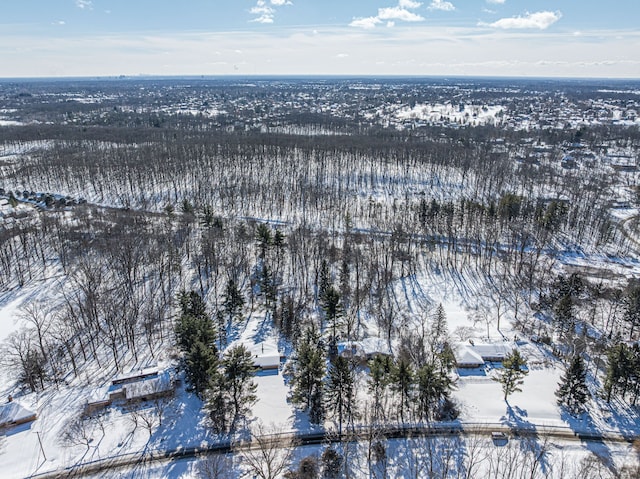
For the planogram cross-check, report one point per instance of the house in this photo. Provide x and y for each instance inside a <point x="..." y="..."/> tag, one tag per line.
<point x="13" y="414"/>
<point x="159" y="386"/>
<point x="266" y="356"/>
<point x="136" y="375"/>
<point x="466" y="357"/>
<point x="99" y="399"/>
<point x="475" y="355"/>
<point x="140" y="385"/>
<point x="364" y="349"/>
<point x="494" y="352"/>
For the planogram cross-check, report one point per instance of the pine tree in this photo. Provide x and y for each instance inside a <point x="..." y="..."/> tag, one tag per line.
<point x="232" y="390"/>
<point x="433" y="387"/>
<point x="619" y="371"/>
<point x="512" y="373"/>
<point x="307" y="376"/>
<point x="380" y="368"/>
<point x="572" y="390"/>
<point x="564" y="315"/>
<point x="439" y="330"/>
<point x="402" y="382"/>
<point x="268" y="286"/>
<point x="264" y="238"/>
<point x="194" y="323"/>
<point x="191" y="329"/>
<point x="333" y="312"/>
<point x="217" y="402"/>
<point x="195" y="336"/>
<point x="324" y="281"/>
<point x="340" y="392"/>
<point x="237" y="379"/>
<point x="233" y="300"/>
<point x="200" y="361"/>
<point x="632" y="308"/>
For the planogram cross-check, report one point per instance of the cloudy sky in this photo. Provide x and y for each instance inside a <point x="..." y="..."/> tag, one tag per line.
<point x="547" y="38"/>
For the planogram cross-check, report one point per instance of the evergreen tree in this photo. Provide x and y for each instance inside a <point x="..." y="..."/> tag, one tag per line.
<point x="340" y="392"/>
<point x="572" y="391"/>
<point x="222" y="330"/>
<point x="268" y="287"/>
<point x="201" y="360"/>
<point x="217" y="402"/>
<point x="619" y="371"/>
<point x="233" y="300"/>
<point x="307" y="376"/>
<point x="237" y="379"/>
<point x="264" y="238"/>
<point x="345" y="285"/>
<point x="402" y="383"/>
<point x="278" y="239"/>
<point x="193" y="304"/>
<point x="439" y="331"/>
<point x="191" y="329"/>
<point x="634" y="373"/>
<point x="333" y="312"/>
<point x="208" y="218"/>
<point x="195" y="336"/>
<point x="563" y="313"/>
<point x="433" y="387"/>
<point x="512" y="373"/>
<point x="632" y="308"/>
<point x="324" y="281"/>
<point x="380" y="368"/>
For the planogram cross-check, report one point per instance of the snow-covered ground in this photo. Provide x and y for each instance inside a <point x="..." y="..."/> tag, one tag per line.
<point x="58" y="439"/>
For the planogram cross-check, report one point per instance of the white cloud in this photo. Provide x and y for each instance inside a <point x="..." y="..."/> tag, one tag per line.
<point x="266" y="13"/>
<point x="441" y="5"/>
<point x="496" y="1"/>
<point x="266" y="18"/>
<point x="389" y="14"/>
<point x="540" y="20"/>
<point x="409" y="4"/>
<point x="84" y="4"/>
<point x="366" y="23"/>
<point x="342" y="55"/>
<point x="398" y="13"/>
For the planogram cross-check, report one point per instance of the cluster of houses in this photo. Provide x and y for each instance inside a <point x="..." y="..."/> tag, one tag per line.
<point x="469" y="355"/>
<point x="136" y="386"/>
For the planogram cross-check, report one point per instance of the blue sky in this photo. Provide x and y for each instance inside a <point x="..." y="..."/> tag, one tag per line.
<point x="585" y="38"/>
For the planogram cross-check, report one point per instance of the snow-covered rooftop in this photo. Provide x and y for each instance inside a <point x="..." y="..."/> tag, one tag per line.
<point x="466" y="356"/>
<point x="157" y="385"/>
<point x="12" y="412"/>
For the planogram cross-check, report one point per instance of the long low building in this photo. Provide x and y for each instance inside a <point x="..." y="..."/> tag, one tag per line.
<point x="475" y="355"/>
<point x="13" y="414"/>
<point x="140" y="385"/>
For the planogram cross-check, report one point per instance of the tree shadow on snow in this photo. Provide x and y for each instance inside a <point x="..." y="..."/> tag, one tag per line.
<point x="531" y="441"/>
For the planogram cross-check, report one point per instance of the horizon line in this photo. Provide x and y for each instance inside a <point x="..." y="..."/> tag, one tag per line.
<point x="256" y="76"/>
